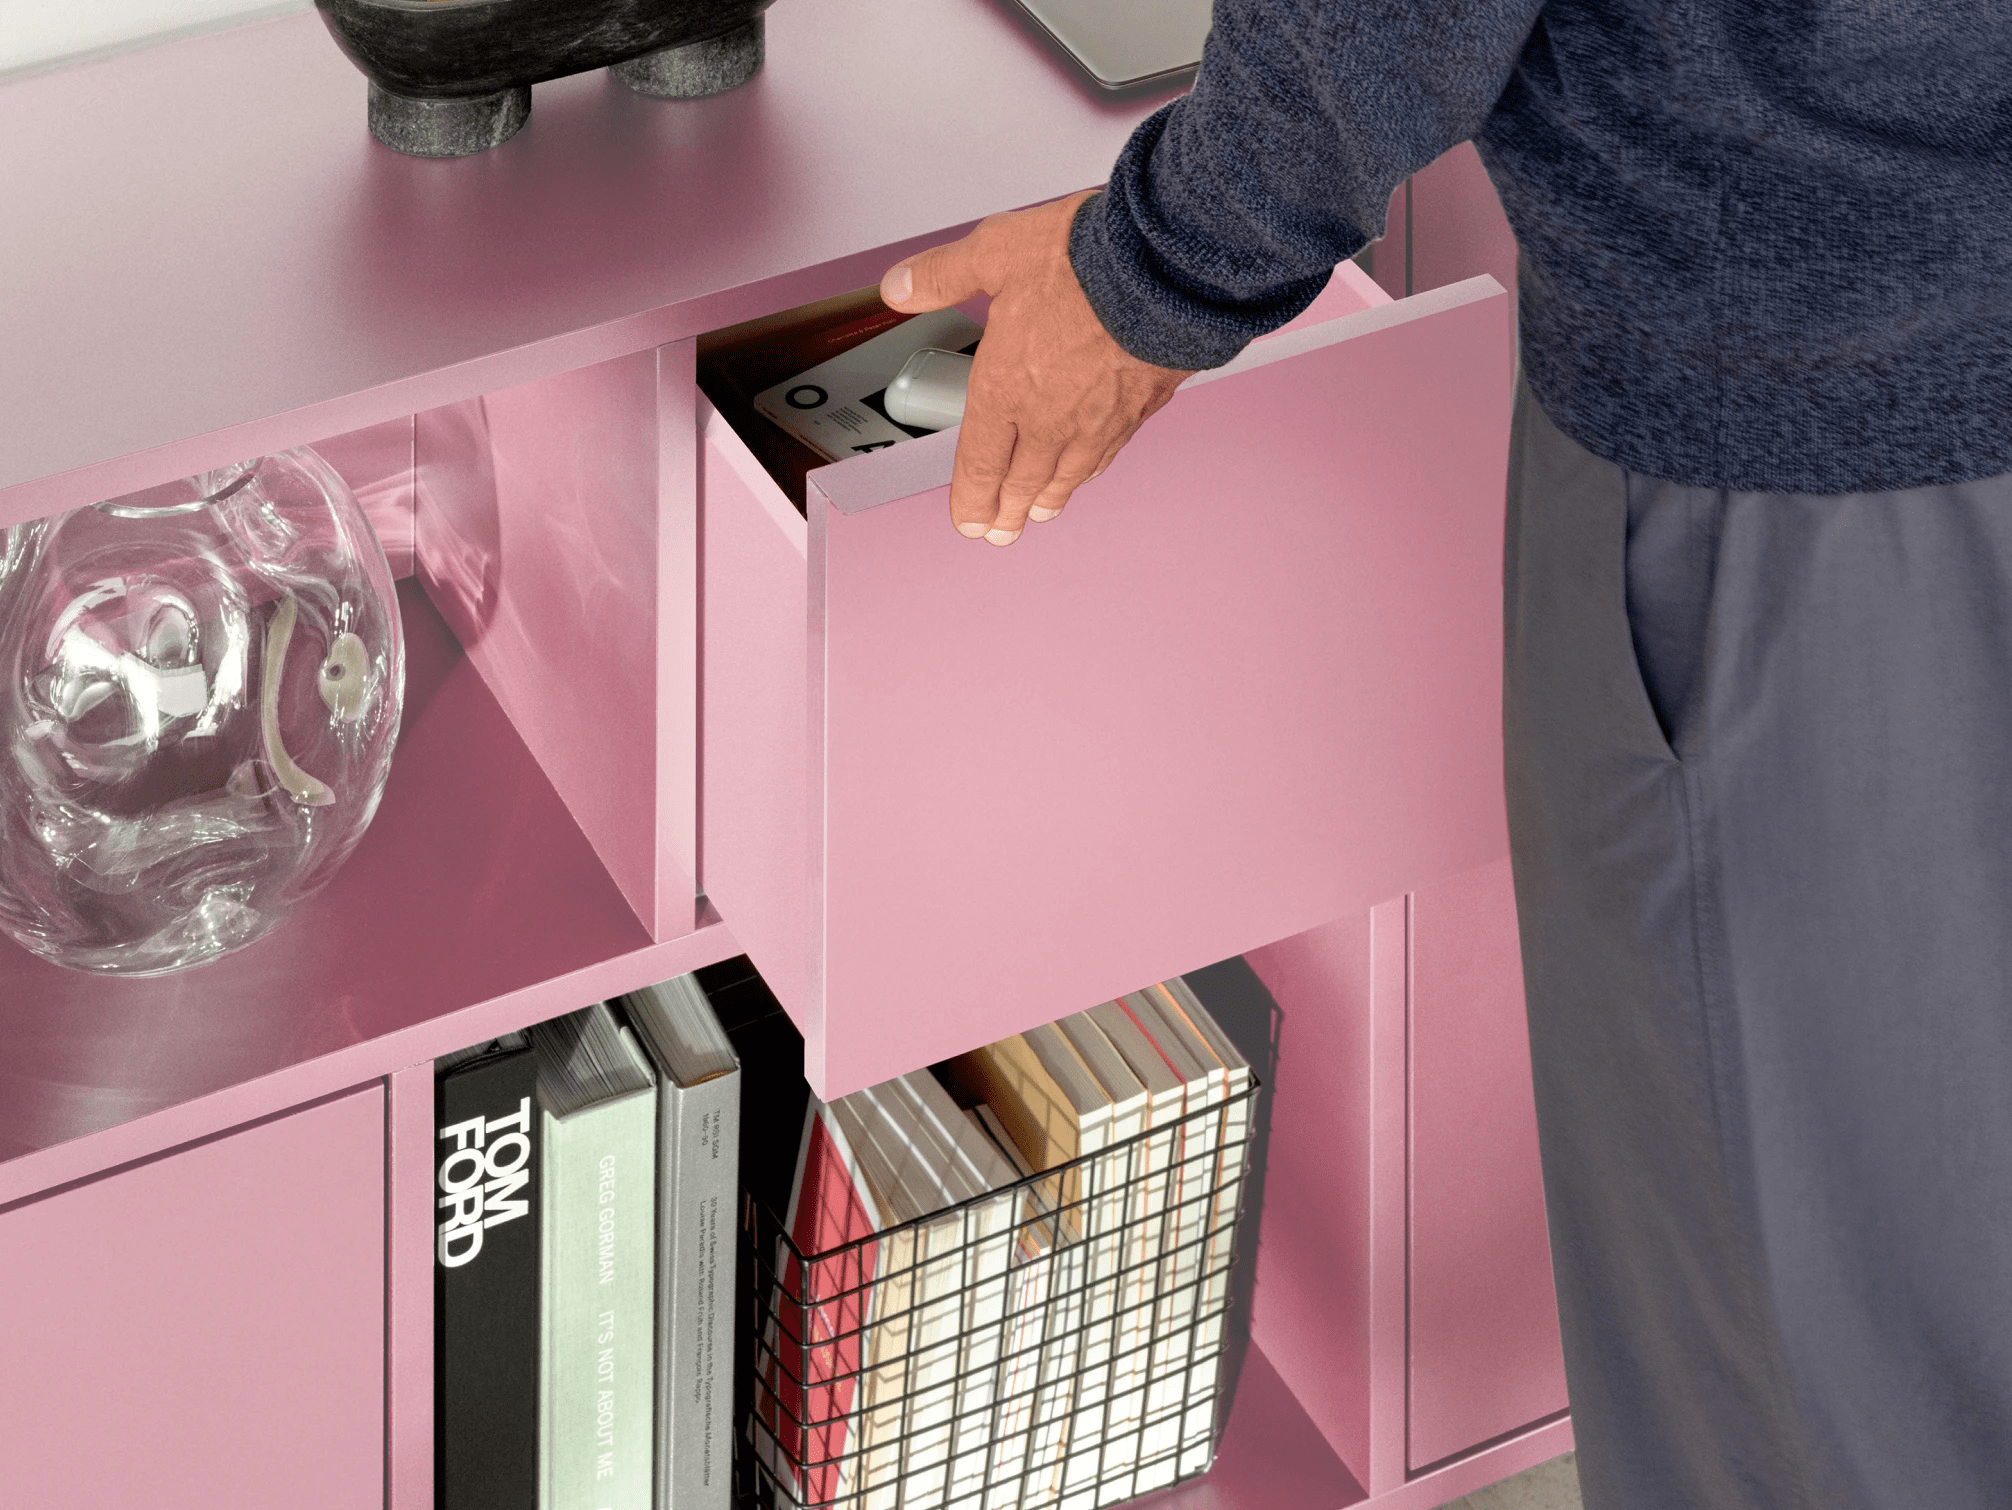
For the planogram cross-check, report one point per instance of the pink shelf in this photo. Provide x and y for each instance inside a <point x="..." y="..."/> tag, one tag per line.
<point x="473" y="907"/>
<point x="210" y="258"/>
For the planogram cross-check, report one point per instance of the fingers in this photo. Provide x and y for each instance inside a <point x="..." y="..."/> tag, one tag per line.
<point x="1030" y="475"/>
<point x="995" y="502"/>
<point x="985" y="448"/>
<point x="932" y="279"/>
<point x="1076" y="465"/>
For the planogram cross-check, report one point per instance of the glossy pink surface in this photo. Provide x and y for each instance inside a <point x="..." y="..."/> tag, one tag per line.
<point x="1247" y="683"/>
<point x="211" y="258"/>
<point x="1312" y="1316"/>
<point x="1483" y="1314"/>
<point x="1268" y="1456"/>
<point x="473" y="906"/>
<point x="408" y="1273"/>
<point x="540" y="527"/>
<point x="1403" y="1279"/>
<point x="206" y="1329"/>
<point x="754" y="773"/>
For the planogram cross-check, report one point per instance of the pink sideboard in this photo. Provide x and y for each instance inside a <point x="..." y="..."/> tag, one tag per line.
<point x="1241" y="700"/>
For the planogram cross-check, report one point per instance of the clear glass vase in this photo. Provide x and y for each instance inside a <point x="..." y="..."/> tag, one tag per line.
<point x="200" y="688"/>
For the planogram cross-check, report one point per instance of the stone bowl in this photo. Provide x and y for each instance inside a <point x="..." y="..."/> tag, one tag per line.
<point x="451" y="77"/>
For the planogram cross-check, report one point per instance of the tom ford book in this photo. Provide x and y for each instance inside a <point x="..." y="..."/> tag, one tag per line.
<point x="485" y="1266"/>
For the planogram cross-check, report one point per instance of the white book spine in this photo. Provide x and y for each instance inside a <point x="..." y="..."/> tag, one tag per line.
<point x="699" y="1140"/>
<point x="986" y="1281"/>
<point x="599" y="1298"/>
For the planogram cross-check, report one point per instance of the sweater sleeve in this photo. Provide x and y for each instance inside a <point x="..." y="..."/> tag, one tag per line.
<point x="1228" y="210"/>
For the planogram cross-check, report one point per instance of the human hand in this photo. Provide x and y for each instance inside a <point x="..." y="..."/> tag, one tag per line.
<point x="1052" y="396"/>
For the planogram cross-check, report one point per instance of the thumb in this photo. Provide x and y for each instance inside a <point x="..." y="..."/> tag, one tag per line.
<point x="932" y="279"/>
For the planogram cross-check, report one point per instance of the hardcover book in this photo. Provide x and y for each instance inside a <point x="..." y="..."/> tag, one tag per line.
<point x="485" y="1267"/>
<point x="598" y="1101"/>
<point x="698" y="1177"/>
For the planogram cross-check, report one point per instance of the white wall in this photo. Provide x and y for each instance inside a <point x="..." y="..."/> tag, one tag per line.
<point x="38" y="33"/>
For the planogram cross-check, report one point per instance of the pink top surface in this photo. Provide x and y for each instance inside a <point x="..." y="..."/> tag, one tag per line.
<point x="210" y="239"/>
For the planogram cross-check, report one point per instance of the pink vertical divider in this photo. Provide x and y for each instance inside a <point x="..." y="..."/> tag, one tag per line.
<point x="376" y="462"/>
<point x="1451" y="227"/>
<point x="206" y="1328"/>
<point x="754" y="863"/>
<point x="409" y="1289"/>
<point x="539" y="538"/>
<point x="1458" y="229"/>
<point x="1389" y="1303"/>
<point x="1484" y="1351"/>
<point x="677" y="625"/>
<point x="1248" y="683"/>
<point x="1311" y="1314"/>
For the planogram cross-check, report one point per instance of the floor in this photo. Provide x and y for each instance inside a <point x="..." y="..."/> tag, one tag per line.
<point x="1548" y="1486"/>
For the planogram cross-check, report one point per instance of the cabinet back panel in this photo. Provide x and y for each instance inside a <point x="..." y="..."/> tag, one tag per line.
<point x="205" y="1330"/>
<point x="538" y="539"/>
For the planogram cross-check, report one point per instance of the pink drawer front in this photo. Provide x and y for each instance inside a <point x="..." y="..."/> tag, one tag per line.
<point x="205" y="1331"/>
<point x="1247" y="683"/>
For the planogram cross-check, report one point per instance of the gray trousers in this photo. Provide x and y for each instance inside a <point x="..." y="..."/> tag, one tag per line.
<point x="1759" y="754"/>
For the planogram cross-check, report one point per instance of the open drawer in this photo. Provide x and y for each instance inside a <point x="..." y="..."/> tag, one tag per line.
<point x="1249" y="681"/>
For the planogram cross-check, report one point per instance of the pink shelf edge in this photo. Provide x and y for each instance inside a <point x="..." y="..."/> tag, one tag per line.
<point x="296" y="1084"/>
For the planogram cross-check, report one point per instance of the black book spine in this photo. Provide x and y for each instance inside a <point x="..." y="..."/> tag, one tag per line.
<point x="485" y="1266"/>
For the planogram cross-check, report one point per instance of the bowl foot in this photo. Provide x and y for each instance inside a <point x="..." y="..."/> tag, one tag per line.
<point x="447" y="128"/>
<point x="698" y="68"/>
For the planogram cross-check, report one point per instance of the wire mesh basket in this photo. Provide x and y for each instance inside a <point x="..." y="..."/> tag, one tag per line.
<point x="1057" y="1342"/>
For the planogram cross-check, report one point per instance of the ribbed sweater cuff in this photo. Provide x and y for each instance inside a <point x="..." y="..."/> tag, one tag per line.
<point x="1143" y="300"/>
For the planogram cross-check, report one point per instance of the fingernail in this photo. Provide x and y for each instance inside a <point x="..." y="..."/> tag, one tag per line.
<point x="1002" y="537"/>
<point x="1040" y="515"/>
<point x="971" y="530"/>
<point x="898" y="284"/>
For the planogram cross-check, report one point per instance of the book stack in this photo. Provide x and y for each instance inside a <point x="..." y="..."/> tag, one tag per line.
<point x="1003" y="1283"/>
<point x="584" y="1310"/>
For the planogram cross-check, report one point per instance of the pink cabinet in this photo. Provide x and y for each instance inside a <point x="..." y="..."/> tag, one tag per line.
<point x="1484" y="1355"/>
<point x="1244" y="685"/>
<point x="1247" y="687"/>
<point x="204" y="1330"/>
<point x="1404" y="1202"/>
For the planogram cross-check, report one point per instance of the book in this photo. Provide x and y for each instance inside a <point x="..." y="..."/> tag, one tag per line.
<point x="823" y="1302"/>
<point x="485" y="1310"/>
<point x="837" y="407"/>
<point x="1056" y="1111"/>
<point x="1164" y="1190"/>
<point x="598" y="1104"/>
<point x="1047" y="1100"/>
<point x="1181" y="1003"/>
<point x="1180" y="1397"/>
<point x="774" y="1101"/>
<point x="943" y="1302"/>
<point x="1119" y="1193"/>
<point x="698" y="1174"/>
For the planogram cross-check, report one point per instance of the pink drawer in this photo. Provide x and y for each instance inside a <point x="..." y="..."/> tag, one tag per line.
<point x="1249" y="682"/>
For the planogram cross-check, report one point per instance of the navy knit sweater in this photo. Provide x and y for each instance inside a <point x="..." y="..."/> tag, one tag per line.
<point x="1767" y="243"/>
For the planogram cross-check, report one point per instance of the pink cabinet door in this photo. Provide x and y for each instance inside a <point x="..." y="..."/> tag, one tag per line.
<point x="1247" y="683"/>
<point x="1484" y="1355"/>
<point x="203" y="1331"/>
